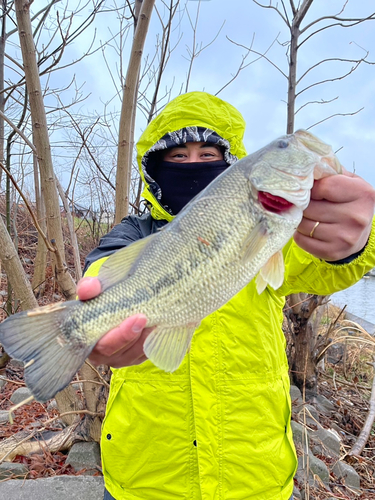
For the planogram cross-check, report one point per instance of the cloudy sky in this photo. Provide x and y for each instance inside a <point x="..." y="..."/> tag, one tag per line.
<point x="260" y="90"/>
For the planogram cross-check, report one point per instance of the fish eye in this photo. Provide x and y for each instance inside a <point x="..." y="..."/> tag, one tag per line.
<point x="282" y="144"/>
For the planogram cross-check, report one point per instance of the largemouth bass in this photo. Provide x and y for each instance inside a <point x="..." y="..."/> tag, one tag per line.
<point x="232" y="231"/>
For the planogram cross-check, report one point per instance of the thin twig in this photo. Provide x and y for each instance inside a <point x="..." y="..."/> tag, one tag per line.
<point x="39" y="229"/>
<point x="98" y="374"/>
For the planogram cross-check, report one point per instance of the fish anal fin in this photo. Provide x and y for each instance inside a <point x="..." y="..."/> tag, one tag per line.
<point x="254" y="242"/>
<point x="166" y="346"/>
<point x="118" y="265"/>
<point x="272" y="273"/>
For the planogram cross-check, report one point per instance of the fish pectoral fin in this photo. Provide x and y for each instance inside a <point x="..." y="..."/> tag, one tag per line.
<point x="254" y="242"/>
<point x="118" y="265"/>
<point x="51" y="358"/>
<point x="272" y="273"/>
<point x="166" y="346"/>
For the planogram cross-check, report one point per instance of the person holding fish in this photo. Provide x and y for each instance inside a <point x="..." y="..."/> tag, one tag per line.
<point x="219" y="426"/>
<point x="199" y="405"/>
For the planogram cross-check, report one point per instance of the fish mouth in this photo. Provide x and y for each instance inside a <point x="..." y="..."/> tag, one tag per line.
<point x="273" y="203"/>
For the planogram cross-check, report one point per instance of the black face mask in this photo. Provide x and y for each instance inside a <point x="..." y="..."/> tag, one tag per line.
<point x="180" y="182"/>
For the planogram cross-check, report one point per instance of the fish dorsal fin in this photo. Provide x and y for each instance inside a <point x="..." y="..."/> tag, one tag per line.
<point x="254" y="242"/>
<point x="118" y="265"/>
<point x="272" y="273"/>
<point x="166" y="346"/>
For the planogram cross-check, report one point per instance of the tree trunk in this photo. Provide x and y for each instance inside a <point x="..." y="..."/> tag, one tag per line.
<point x="2" y="55"/>
<point x="40" y="262"/>
<point x="73" y="236"/>
<point x="96" y="395"/>
<point x="14" y="270"/>
<point x="129" y="101"/>
<point x="304" y="316"/>
<point x="41" y="139"/>
<point x="292" y="79"/>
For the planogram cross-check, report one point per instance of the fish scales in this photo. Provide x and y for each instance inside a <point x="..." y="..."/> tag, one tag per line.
<point x="219" y="242"/>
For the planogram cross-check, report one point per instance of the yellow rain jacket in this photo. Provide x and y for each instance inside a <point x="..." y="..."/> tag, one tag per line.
<point x="219" y="427"/>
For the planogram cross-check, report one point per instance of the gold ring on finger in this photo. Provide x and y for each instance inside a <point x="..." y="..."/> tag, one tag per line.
<point x="313" y="229"/>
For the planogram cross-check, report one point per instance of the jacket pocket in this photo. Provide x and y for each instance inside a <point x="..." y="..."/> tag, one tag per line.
<point x="146" y="440"/>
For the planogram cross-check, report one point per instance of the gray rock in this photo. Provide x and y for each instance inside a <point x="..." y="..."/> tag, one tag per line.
<point x="295" y="393"/>
<point x="296" y="397"/>
<point x="20" y="395"/>
<point x="52" y="405"/>
<point x="299" y="435"/>
<point x="10" y="469"/>
<point x="319" y="468"/>
<point x="316" y="467"/>
<point x="15" y="363"/>
<point x="2" y="382"/>
<point x="307" y="413"/>
<point x="84" y="456"/>
<point x="56" y="488"/>
<point x="327" y="442"/>
<point x="324" y="405"/>
<point x="4" y="416"/>
<point x="344" y="471"/>
<point x="339" y="430"/>
<point x="335" y="353"/>
<point x="296" y="493"/>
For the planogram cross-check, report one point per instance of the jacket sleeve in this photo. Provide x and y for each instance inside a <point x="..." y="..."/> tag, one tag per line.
<point x="121" y="236"/>
<point x="306" y="273"/>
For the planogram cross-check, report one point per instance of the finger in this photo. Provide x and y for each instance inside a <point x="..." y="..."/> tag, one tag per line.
<point x="339" y="188"/>
<point x="312" y="229"/>
<point x="315" y="247"/>
<point x="129" y="358"/>
<point x="131" y="355"/>
<point x="121" y="337"/>
<point x="88" y="288"/>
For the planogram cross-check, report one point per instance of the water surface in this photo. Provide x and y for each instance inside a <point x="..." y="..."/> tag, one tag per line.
<point x="359" y="299"/>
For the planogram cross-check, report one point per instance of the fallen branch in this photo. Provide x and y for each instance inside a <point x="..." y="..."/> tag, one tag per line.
<point x="365" y="432"/>
<point x="22" y="443"/>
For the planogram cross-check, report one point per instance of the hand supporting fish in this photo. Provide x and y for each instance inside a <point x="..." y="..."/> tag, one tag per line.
<point x="232" y="231"/>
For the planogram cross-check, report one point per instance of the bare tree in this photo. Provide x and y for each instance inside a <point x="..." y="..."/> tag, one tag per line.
<point x="303" y="311"/>
<point x="130" y="89"/>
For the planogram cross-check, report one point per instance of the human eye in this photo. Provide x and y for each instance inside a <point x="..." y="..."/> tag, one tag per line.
<point x="210" y="154"/>
<point x="175" y="155"/>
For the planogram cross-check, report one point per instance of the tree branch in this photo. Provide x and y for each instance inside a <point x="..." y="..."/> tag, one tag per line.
<point x="270" y="6"/>
<point x="366" y="430"/>
<point x="30" y="210"/>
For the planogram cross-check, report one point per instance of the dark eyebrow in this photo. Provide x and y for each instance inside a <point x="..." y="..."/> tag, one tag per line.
<point x="204" y="145"/>
<point x="210" y="145"/>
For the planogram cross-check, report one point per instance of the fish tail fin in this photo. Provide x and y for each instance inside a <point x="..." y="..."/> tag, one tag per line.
<point x="36" y="337"/>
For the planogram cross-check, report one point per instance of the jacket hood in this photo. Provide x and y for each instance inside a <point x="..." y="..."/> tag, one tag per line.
<point x="191" y="117"/>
